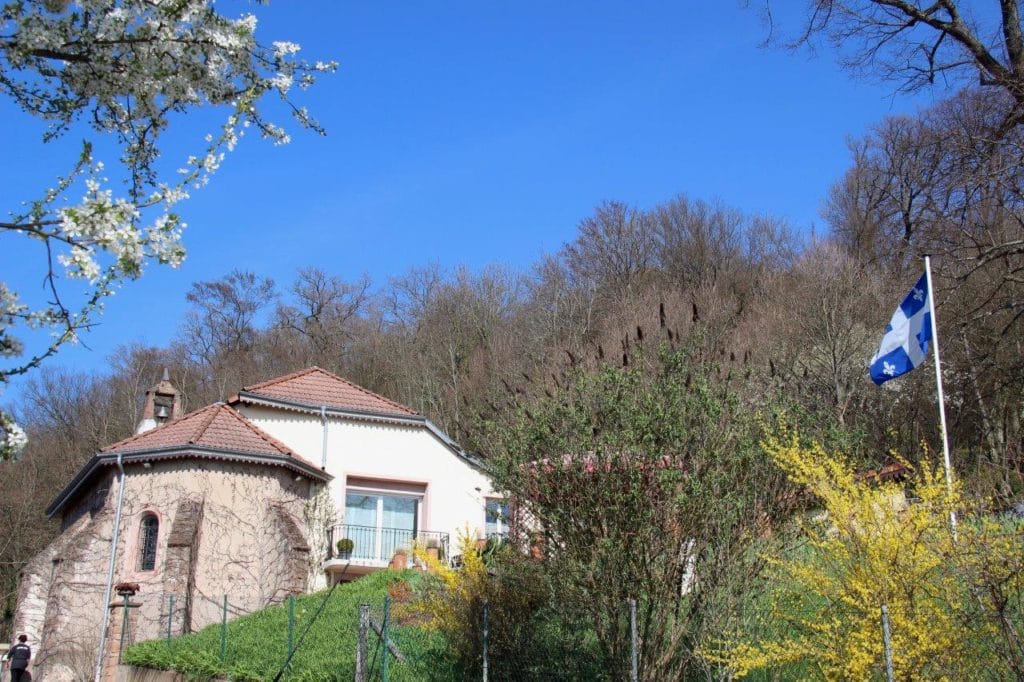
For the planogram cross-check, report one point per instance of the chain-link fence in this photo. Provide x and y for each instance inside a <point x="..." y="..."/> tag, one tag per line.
<point x="329" y="636"/>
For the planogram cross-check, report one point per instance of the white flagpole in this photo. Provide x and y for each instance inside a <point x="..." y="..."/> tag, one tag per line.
<point x="938" y="384"/>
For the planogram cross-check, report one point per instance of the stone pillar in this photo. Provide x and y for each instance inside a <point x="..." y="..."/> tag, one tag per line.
<point x="179" y="564"/>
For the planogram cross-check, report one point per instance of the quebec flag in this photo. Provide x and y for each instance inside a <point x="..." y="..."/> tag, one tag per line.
<point x="906" y="340"/>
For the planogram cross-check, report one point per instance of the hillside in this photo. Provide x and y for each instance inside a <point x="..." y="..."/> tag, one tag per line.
<point x="257" y="644"/>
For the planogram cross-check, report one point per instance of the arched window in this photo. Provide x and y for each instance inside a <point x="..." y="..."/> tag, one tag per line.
<point x="148" y="531"/>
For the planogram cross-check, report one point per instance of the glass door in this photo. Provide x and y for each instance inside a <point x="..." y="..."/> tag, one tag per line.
<point x="361" y="523"/>
<point x="398" y="524"/>
<point x="380" y="523"/>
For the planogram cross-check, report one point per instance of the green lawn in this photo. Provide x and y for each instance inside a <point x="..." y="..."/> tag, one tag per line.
<point x="257" y="645"/>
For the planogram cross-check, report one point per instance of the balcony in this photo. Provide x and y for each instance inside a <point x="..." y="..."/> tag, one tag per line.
<point x="374" y="546"/>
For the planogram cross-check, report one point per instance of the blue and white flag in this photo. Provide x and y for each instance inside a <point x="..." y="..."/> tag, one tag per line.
<point x="906" y="340"/>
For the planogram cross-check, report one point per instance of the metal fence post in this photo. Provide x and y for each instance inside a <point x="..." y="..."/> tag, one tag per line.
<point x="887" y="640"/>
<point x="224" y="630"/>
<point x="634" y="669"/>
<point x="124" y="628"/>
<point x="384" y="635"/>
<point x="170" y="615"/>
<point x="362" y="642"/>
<point x="486" y="633"/>
<point x="291" y="627"/>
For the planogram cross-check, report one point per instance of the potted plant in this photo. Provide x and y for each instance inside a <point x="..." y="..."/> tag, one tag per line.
<point x="400" y="560"/>
<point x="433" y="548"/>
<point x="345" y="547"/>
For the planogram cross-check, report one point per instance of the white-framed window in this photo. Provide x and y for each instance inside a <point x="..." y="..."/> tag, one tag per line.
<point x="380" y="519"/>
<point x="496" y="517"/>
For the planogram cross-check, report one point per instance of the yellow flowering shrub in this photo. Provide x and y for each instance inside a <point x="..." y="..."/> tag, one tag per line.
<point x="460" y="591"/>
<point x="527" y="639"/>
<point x="868" y="548"/>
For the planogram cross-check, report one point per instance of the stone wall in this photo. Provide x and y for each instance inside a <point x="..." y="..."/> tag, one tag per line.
<point x="60" y="597"/>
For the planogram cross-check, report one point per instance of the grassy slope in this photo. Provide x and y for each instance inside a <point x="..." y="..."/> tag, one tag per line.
<point x="257" y="644"/>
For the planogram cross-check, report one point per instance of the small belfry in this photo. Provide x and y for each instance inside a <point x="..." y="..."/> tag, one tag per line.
<point x="163" y="404"/>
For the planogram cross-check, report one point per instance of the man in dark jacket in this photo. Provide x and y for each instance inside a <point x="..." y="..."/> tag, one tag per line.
<point x="18" y="656"/>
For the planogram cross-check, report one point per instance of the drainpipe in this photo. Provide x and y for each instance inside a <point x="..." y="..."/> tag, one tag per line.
<point x="110" y="568"/>
<point x="323" y="467"/>
<point x="323" y="421"/>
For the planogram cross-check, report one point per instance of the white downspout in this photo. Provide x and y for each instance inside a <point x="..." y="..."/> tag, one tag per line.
<point x="323" y="454"/>
<point x="323" y="467"/>
<point x="110" y="569"/>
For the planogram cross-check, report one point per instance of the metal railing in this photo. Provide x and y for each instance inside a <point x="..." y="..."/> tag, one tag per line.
<point x="371" y="544"/>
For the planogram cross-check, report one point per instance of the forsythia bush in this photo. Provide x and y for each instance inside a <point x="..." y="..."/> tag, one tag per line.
<point x="954" y="601"/>
<point x="461" y="590"/>
<point x="528" y="638"/>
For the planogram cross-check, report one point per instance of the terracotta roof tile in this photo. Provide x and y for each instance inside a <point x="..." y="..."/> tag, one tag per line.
<point x="222" y="432"/>
<point x="216" y="426"/>
<point x="315" y="387"/>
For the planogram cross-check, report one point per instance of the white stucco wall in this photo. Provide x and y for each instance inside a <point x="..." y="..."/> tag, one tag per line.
<point x="455" y="490"/>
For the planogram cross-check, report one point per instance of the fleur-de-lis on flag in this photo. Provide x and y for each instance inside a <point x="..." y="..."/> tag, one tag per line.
<point x="905" y="343"/>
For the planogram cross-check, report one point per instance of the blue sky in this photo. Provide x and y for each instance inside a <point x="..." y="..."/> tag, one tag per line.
<point x="476" y="133"/>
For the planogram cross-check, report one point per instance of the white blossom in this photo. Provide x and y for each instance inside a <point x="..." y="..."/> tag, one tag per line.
<point x="12" y="438"/>
<point x="282" y="82"/>
<point x="283" y="49"/>
<point x="125" y="67"/>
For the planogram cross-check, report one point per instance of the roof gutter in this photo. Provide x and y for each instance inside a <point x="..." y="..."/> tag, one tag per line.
<point x="436" y="431"/>
<point x="253" y="399"/>
<point x="177" y="451"/>
<point x="110" y="569"/>
<point x="73" y="486"/>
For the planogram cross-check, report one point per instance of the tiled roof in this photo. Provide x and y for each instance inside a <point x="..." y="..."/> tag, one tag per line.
<point x="216" y="431"/>
<point x="315" y="387"/>
<point x="217" y="427"/>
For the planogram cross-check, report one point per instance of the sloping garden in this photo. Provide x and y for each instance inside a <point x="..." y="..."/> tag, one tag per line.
<point x="255" y="647"/>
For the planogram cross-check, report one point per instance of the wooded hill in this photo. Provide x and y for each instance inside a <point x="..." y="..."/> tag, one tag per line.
<point x="770" y="309"/>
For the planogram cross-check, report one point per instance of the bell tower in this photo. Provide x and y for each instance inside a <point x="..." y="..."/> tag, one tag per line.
<point x="163" y="404"/>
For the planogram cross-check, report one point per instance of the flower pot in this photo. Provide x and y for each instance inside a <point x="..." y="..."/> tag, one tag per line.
<point x="344" y="548"/>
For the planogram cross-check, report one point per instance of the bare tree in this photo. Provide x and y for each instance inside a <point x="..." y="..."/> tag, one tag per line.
<point x="449" y="336"/>
<point x="827" y="322"/>
<point x="322" y="311"/>
<point x="222" y="330"/>
<point x="918" y="43"/>
<point x="225" y="311"/>
<point x="936" y="184"/>
<point x="614" y="248"/>
<point x="697" y="241"/>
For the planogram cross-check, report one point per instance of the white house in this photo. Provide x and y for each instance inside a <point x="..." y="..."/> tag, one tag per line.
<point x="396" y="476"/>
